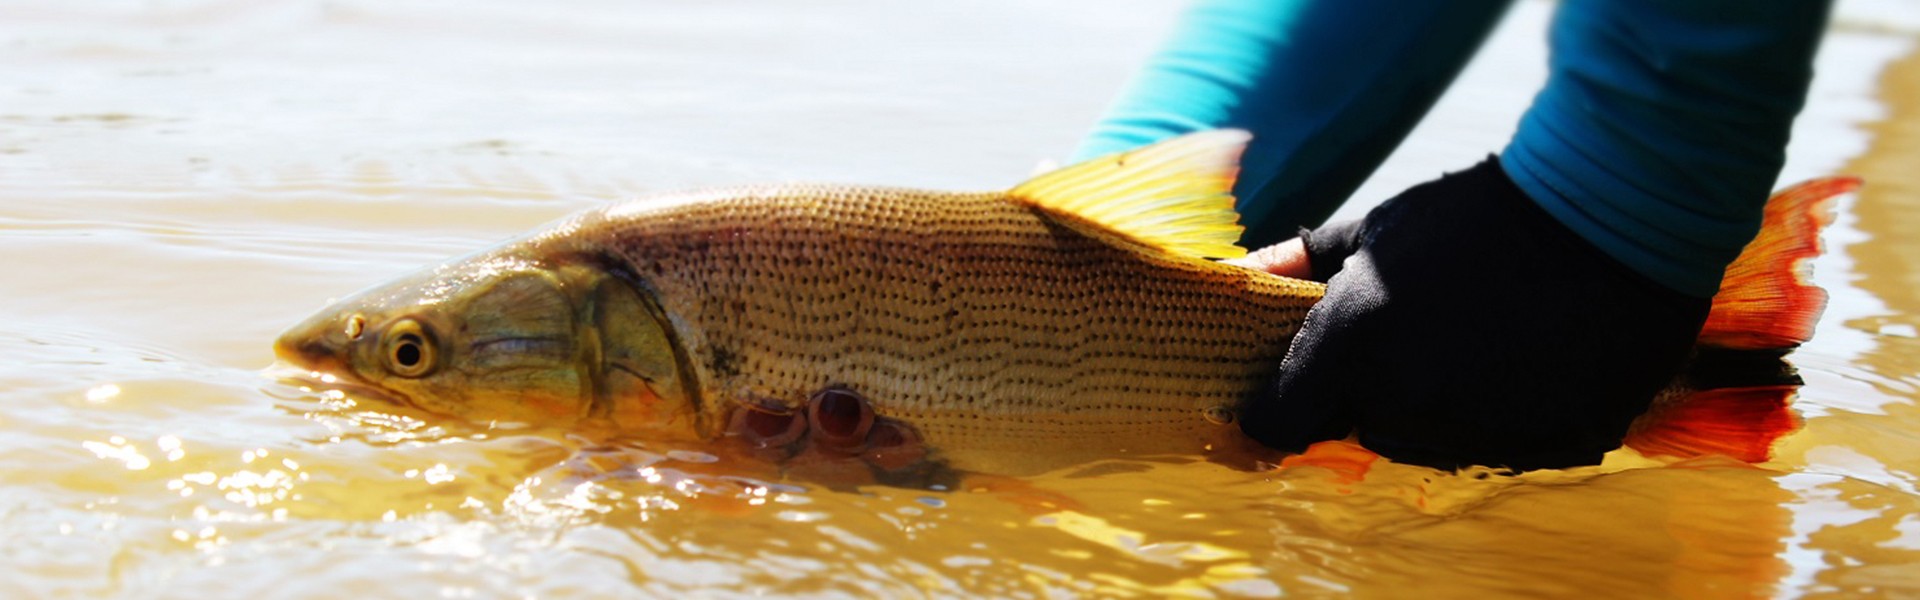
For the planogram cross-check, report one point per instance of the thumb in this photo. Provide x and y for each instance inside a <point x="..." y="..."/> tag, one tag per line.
<point x="1286" y="259"/>
<point x="1328" y="246"/>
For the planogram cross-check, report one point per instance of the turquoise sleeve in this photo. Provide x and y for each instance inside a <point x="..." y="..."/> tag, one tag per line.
<point x="1663" y="125"/>
<point x="1327" y="88"/>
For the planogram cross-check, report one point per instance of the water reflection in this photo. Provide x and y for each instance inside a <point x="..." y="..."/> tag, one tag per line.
<point x="155" y="240"/>
<point x="1890" y="260"/>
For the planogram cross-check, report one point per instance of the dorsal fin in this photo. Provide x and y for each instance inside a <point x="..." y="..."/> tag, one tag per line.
<point x="1176" y="195"/>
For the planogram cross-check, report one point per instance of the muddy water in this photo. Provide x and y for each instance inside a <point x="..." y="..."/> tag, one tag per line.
<point x="180" y="180"/>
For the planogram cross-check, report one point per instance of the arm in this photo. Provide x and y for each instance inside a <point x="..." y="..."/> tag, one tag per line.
<point x="1663" y="126"/>
<point x="1327" y="88"/>
<point x="1526" y="311"/>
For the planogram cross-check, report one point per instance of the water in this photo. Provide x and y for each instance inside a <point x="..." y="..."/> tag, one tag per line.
<point x="179" y="180"/>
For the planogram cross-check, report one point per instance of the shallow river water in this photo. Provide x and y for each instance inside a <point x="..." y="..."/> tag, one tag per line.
<point x="181" y="179"/>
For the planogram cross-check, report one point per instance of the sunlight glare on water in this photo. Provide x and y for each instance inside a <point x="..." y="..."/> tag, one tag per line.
<point x="181" y="180"/>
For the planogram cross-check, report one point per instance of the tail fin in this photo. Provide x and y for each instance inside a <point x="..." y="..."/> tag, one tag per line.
<point x="1739" y="422"/>
<point x="1738" y="404"/>
<point x="1766" y="300"/>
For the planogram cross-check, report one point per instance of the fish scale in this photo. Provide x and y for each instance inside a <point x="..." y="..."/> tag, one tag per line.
<point x="945" y="309"/>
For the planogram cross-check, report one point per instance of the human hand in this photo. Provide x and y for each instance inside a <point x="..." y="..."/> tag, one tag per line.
<point x="1463" y="325"/>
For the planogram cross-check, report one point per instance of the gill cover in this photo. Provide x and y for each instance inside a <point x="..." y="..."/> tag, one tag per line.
<point x="644" y="377"/>
<point x="625" y="362"/>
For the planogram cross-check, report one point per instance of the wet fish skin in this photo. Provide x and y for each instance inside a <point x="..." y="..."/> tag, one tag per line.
<point x="978" y="320"/>
<point x="984" y="324"/>
<point x="1074" y="313"/>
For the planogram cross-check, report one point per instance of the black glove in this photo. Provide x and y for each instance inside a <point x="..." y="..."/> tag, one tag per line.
<point x="1464" y="325"/>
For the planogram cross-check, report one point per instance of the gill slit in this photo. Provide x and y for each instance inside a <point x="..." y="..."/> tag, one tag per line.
<point x="683" y="364"/>
<point x="622" y="270"/>
<point x="594" y="387"/>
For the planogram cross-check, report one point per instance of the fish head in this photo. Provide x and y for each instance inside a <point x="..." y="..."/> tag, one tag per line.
<point x="502" y="338"/>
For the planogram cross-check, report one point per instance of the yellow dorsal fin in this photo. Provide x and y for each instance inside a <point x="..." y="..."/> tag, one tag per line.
<point x="1176" y="195"/>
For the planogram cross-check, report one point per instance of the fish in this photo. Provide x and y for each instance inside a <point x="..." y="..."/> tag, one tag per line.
<point x="1078" y="315"/>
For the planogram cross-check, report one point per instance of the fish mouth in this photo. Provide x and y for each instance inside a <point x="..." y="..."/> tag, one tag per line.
<point x="297" y="374"/>
<point x="314" y="354"/>
<point x="319" y="362"/>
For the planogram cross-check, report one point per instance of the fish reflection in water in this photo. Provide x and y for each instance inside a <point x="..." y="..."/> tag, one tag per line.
<point x="1708" y="526"/>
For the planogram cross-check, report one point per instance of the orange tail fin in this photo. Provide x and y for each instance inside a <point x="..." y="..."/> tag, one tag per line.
<point x="1766" y="305"/>
<point x="1766" y="300"/>
<point x="1739" y="422"/>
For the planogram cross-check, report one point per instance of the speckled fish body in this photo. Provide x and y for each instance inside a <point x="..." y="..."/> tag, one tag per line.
<point x="979" y="320"/>
<point x="1074" y="316"/>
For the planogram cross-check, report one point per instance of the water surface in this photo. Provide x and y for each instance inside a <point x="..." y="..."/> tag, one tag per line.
<point x="180" y="180"/>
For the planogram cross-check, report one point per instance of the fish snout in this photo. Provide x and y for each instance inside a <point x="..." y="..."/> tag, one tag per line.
<point x="319" y="344"/>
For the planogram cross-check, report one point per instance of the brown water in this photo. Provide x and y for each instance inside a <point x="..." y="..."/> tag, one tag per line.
<point x="181" y="179"/>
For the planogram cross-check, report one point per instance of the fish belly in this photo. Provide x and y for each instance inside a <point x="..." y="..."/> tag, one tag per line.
<point x="983" y="323"/>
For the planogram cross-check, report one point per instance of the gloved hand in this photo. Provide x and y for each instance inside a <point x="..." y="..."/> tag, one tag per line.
<point x="1464" y="325"/>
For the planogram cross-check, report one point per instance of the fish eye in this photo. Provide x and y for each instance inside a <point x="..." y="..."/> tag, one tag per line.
<point x="409" y="351"/>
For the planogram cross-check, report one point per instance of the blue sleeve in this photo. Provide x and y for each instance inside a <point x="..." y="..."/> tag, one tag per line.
<point x="1663" y="125"/>
<point x="1327" y="88"/>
